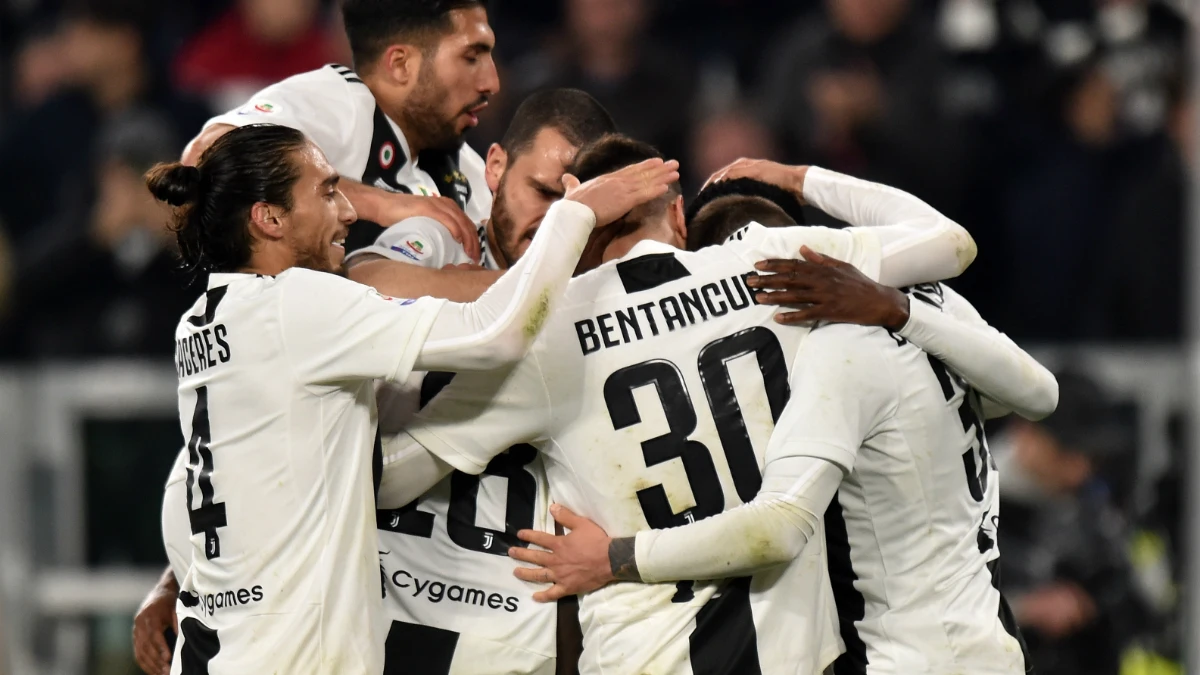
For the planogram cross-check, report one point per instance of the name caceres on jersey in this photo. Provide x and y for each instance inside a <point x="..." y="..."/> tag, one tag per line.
<point x="651" y="394"/>
<point x="335" y="109"/>
<point x="277" y="403"/>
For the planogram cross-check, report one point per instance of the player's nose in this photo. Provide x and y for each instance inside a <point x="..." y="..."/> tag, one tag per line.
<point x="489" y="80"/>
<point x="346" y="212"/>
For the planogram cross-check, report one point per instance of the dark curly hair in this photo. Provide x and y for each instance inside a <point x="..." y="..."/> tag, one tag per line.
<point x="723" y="208"/>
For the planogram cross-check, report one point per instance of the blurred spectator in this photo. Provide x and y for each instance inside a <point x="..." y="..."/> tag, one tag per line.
<point x="102" y="279"/>
<point x="254" y="44"/>
<point x="1059" y="206"/>
<point x="1063" y="543"/>
<point x="47" y="150"/>
<point x="858" y="89"/>
<point x="606" y="51"/>
<point x="723" y="138"/>
<point x="1139" y="292"/>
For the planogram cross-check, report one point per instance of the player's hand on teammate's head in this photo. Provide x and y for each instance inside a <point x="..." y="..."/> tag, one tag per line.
<point x="442" y="209"/>
<point x="153" y="618"/>
<point x="574" y="563"/>
<point x="820" y="288"/>
<point x="615" y="194"/>
<point x="790" y="178"/>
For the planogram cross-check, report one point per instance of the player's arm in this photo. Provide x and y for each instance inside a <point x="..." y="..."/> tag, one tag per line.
<point x="407" y="259"/>
<point x="336" y="330"/>
<point x="896" y="238"/>
<point x="474" y="418"/>
<point x="1008" y="377"/>
<point x="933" y="317"/>
<point x="842" y="394"/>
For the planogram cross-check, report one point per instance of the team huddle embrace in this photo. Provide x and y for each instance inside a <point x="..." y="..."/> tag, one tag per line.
<point x="538" y="411"/>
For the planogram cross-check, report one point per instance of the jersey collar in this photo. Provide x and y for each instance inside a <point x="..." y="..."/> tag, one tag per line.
<point x="216" y="279"/>
<point x="647" y="247"/>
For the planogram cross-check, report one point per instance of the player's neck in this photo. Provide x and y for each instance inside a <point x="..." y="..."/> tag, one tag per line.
<point x="380" y="90"/>
<point x="497" y="255"/>
<point x="269" y="261"/>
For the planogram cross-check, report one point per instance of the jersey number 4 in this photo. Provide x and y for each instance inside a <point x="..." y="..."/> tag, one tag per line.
<point x="210" y="515"/>
<point x="713" y="366"/>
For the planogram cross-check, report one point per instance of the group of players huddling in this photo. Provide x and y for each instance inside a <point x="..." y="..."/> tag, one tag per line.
<point x="548" y="334"/>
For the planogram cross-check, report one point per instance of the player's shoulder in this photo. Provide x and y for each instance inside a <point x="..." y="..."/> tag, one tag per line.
<point x="302" y="283"/>
<point x="333" y="87"/>
<point x="470" y="162"/>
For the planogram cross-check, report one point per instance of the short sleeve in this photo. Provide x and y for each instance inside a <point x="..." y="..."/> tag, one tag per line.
<point x="858" y="246"/>
<point x="481" y="414"/>
<point x="842" y="393"/>
<point x="335" y="330"/>
<point x="419" y="240"/>
<point x="318" y="103"/>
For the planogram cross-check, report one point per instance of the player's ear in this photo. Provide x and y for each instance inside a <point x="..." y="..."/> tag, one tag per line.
<point x="403" y="62"/>
<point x="266" y="220"/>
<point x="678" y="221"/>
<point x="497" y="162"/>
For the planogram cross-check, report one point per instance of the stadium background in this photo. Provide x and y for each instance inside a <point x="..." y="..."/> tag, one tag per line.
<point x="1055" y="130"/>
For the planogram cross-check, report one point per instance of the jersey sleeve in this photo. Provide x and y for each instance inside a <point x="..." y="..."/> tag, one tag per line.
<point x="989" y="360"/>
<point x="771" y="529"/>
<point x="335" y="330"/>
<point x="419" y="240"/>
<point x="859" y="247"/>
<point x="318" y="103"/>
<point x="481" y="414"/>
<point x="176" y="528"/>
<point x="913" y="241"/>
<point x="843" y="392"/>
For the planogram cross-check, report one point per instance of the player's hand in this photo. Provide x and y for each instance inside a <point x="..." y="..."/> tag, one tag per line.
<point x="574" y="563"/>
<point x="820" y="288"/>
<point x="442" y="209"/>
<point x="615" y="194"/>
<point x="1056" y="610"/>
<point x="790" y="178"/>
<point x="156" y="614"/>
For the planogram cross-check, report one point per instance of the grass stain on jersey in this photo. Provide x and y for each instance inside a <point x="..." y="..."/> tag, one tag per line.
<point x="538" y="315"/>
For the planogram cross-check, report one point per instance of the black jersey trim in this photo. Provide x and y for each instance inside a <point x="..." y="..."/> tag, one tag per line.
<point x="1007" y="619"/>
<point x="411" y="648"/>
<point x="213" y="298"/>
<point x="432" y="385"/>
<point x="851" y="605"/>
<point x="200" y="646"/>
<point x="725" y="641"/>
<point x="650" y="271"/>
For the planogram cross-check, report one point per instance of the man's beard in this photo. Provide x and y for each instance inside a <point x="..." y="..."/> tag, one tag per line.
<point x="422" y="115"/>
<point x="313" y="260"/>
<point x="503" y="228"/>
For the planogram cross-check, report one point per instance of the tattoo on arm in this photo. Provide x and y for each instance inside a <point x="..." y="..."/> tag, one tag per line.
<point x="622" y="560"/>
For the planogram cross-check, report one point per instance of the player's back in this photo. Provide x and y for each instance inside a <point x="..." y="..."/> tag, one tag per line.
<point x="283" y="575"/>
<point x="912" y="533"/>
<point x="664" y="378"/>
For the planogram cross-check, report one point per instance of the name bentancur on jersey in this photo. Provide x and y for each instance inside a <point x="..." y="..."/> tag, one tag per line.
<point x="678" y="310"/>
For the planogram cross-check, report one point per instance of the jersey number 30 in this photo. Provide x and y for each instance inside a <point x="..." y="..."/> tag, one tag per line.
<point x="713" y="366"/>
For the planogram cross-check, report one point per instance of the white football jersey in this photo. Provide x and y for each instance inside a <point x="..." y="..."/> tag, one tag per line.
<point x="652" y="393"/>
<point x="912" y="533"/>
<point x="333" y="107"/>
<point x="447" y="577"/>
<point x="277" y="403"/>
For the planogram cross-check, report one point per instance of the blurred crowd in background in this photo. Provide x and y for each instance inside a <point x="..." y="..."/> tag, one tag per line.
<point x="1056" y="131"/>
